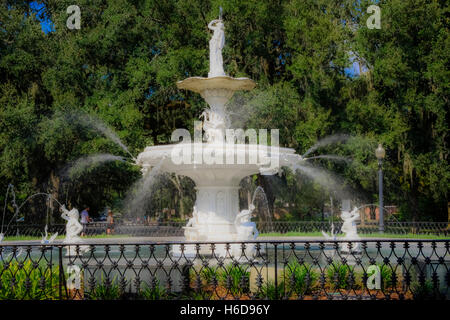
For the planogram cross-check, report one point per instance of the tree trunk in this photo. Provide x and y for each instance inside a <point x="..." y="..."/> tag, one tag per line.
<point x="177" y="183"/>
<point x="413" y="199"/>
<point x="54" y="192"/>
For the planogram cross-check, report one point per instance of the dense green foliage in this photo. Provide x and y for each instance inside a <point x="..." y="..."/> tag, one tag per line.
<point x="122" y="66"/>
<point x="27" y="280"/>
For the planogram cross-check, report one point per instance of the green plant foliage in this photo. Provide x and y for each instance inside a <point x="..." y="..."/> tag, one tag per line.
<point x="386" y="276"/>
<point x="210" y="274"/>
<point x="26" y="280"/>
<point x="271" y="292"/>
<point x="235" y="278"/>
<point x="105" y="289"/>
<point x="341" y="276"/>
<point x="300" y="278"/>
<point x="425" y="291"/>
<point x="154" y="292"/>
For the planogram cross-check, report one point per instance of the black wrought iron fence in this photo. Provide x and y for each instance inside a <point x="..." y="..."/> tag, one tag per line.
<point x="393" y="227"/>
<point x="175" y="229"/>
<point x="162" y="229"/>
<point x="250" y="270"/>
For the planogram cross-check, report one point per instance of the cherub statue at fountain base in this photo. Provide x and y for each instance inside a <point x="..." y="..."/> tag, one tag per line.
<point x="351" y="234"/>
<point x="246" y="230"/>
<point x="198" y="229"/>
<point x="73" y="229"/>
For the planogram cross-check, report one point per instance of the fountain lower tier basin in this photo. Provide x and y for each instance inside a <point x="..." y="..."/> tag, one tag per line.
<point x="217" y="170"/>
<point x="216" y="164"/>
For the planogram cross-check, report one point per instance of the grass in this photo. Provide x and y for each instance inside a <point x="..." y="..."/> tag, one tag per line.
<point x="369" y="235"/>
<point x="270" y="234"/>
<point x="291" y="234"/>
<point x="62" y="237"/>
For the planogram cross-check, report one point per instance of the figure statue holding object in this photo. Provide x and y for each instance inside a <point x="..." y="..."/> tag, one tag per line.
<point x="349" y="228"/>
<point x="245" y="228"/>
<point x="216" y="45"/>
<point x="73" y="229"/>
<point x="349" y="225"/>
<point x="190" y="230"/>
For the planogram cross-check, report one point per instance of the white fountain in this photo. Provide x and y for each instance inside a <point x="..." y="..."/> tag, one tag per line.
<point x="216" y="212"/>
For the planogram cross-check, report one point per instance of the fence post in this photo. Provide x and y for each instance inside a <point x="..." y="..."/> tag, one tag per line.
<point x="62" y="278"/>
<point x="276" y="271"/>
<point x="61" y="271"/>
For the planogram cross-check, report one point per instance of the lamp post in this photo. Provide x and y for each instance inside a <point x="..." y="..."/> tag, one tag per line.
<point x="380" y="153"/>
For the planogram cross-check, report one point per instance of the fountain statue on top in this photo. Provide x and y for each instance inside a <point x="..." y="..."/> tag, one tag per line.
<point x="218" y="88"/>
<point x="73" y="229"/>
<point x="216" y="45"/>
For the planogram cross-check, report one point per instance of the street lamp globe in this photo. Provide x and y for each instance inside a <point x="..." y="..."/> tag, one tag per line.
<point x="380" y="152"/>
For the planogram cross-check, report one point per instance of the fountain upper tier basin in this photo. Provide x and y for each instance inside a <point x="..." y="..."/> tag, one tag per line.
<point x="217" y="91"/>
<point x="200" y="84"/>
<point x="212" y="164"/>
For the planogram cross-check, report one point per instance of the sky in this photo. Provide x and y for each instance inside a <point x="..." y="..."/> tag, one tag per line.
<point x="46" y="23"/>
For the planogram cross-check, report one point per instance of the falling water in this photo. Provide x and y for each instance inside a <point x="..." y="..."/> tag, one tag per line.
<point x="99" y="125"/>
<point x="18" y="208"/>
<point x="10" y="188"/>
<point x="330" y="157"/>
<point x="326" y="141"/>
<point x="90" y="161"/>
<point x="142" y="191"/>
<point x="323" y="177"/>
<point x="261" y="204"/>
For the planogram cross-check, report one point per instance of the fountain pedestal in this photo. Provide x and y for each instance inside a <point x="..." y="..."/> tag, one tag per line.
<point x="216" y="91"/>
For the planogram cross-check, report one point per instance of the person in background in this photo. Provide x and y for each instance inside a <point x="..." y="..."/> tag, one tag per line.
<point x="85" y="220"/>
<point x="110" y="222"/>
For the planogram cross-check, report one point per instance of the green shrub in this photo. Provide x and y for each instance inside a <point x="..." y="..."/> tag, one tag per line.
<point x="341" y="276"/>
<point x="424" y="291"/>
<point x="105" y="290"/>
<point x="155" y="292"/>
<point x="235" y="278"/>
<point x="386" y="276"/>
<point x="268" y="291"/>
<point x="27" y="280"/>
<point x="194" y="295"/>
<point x="300" y="278"/>
<point x="208" y="274"/>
